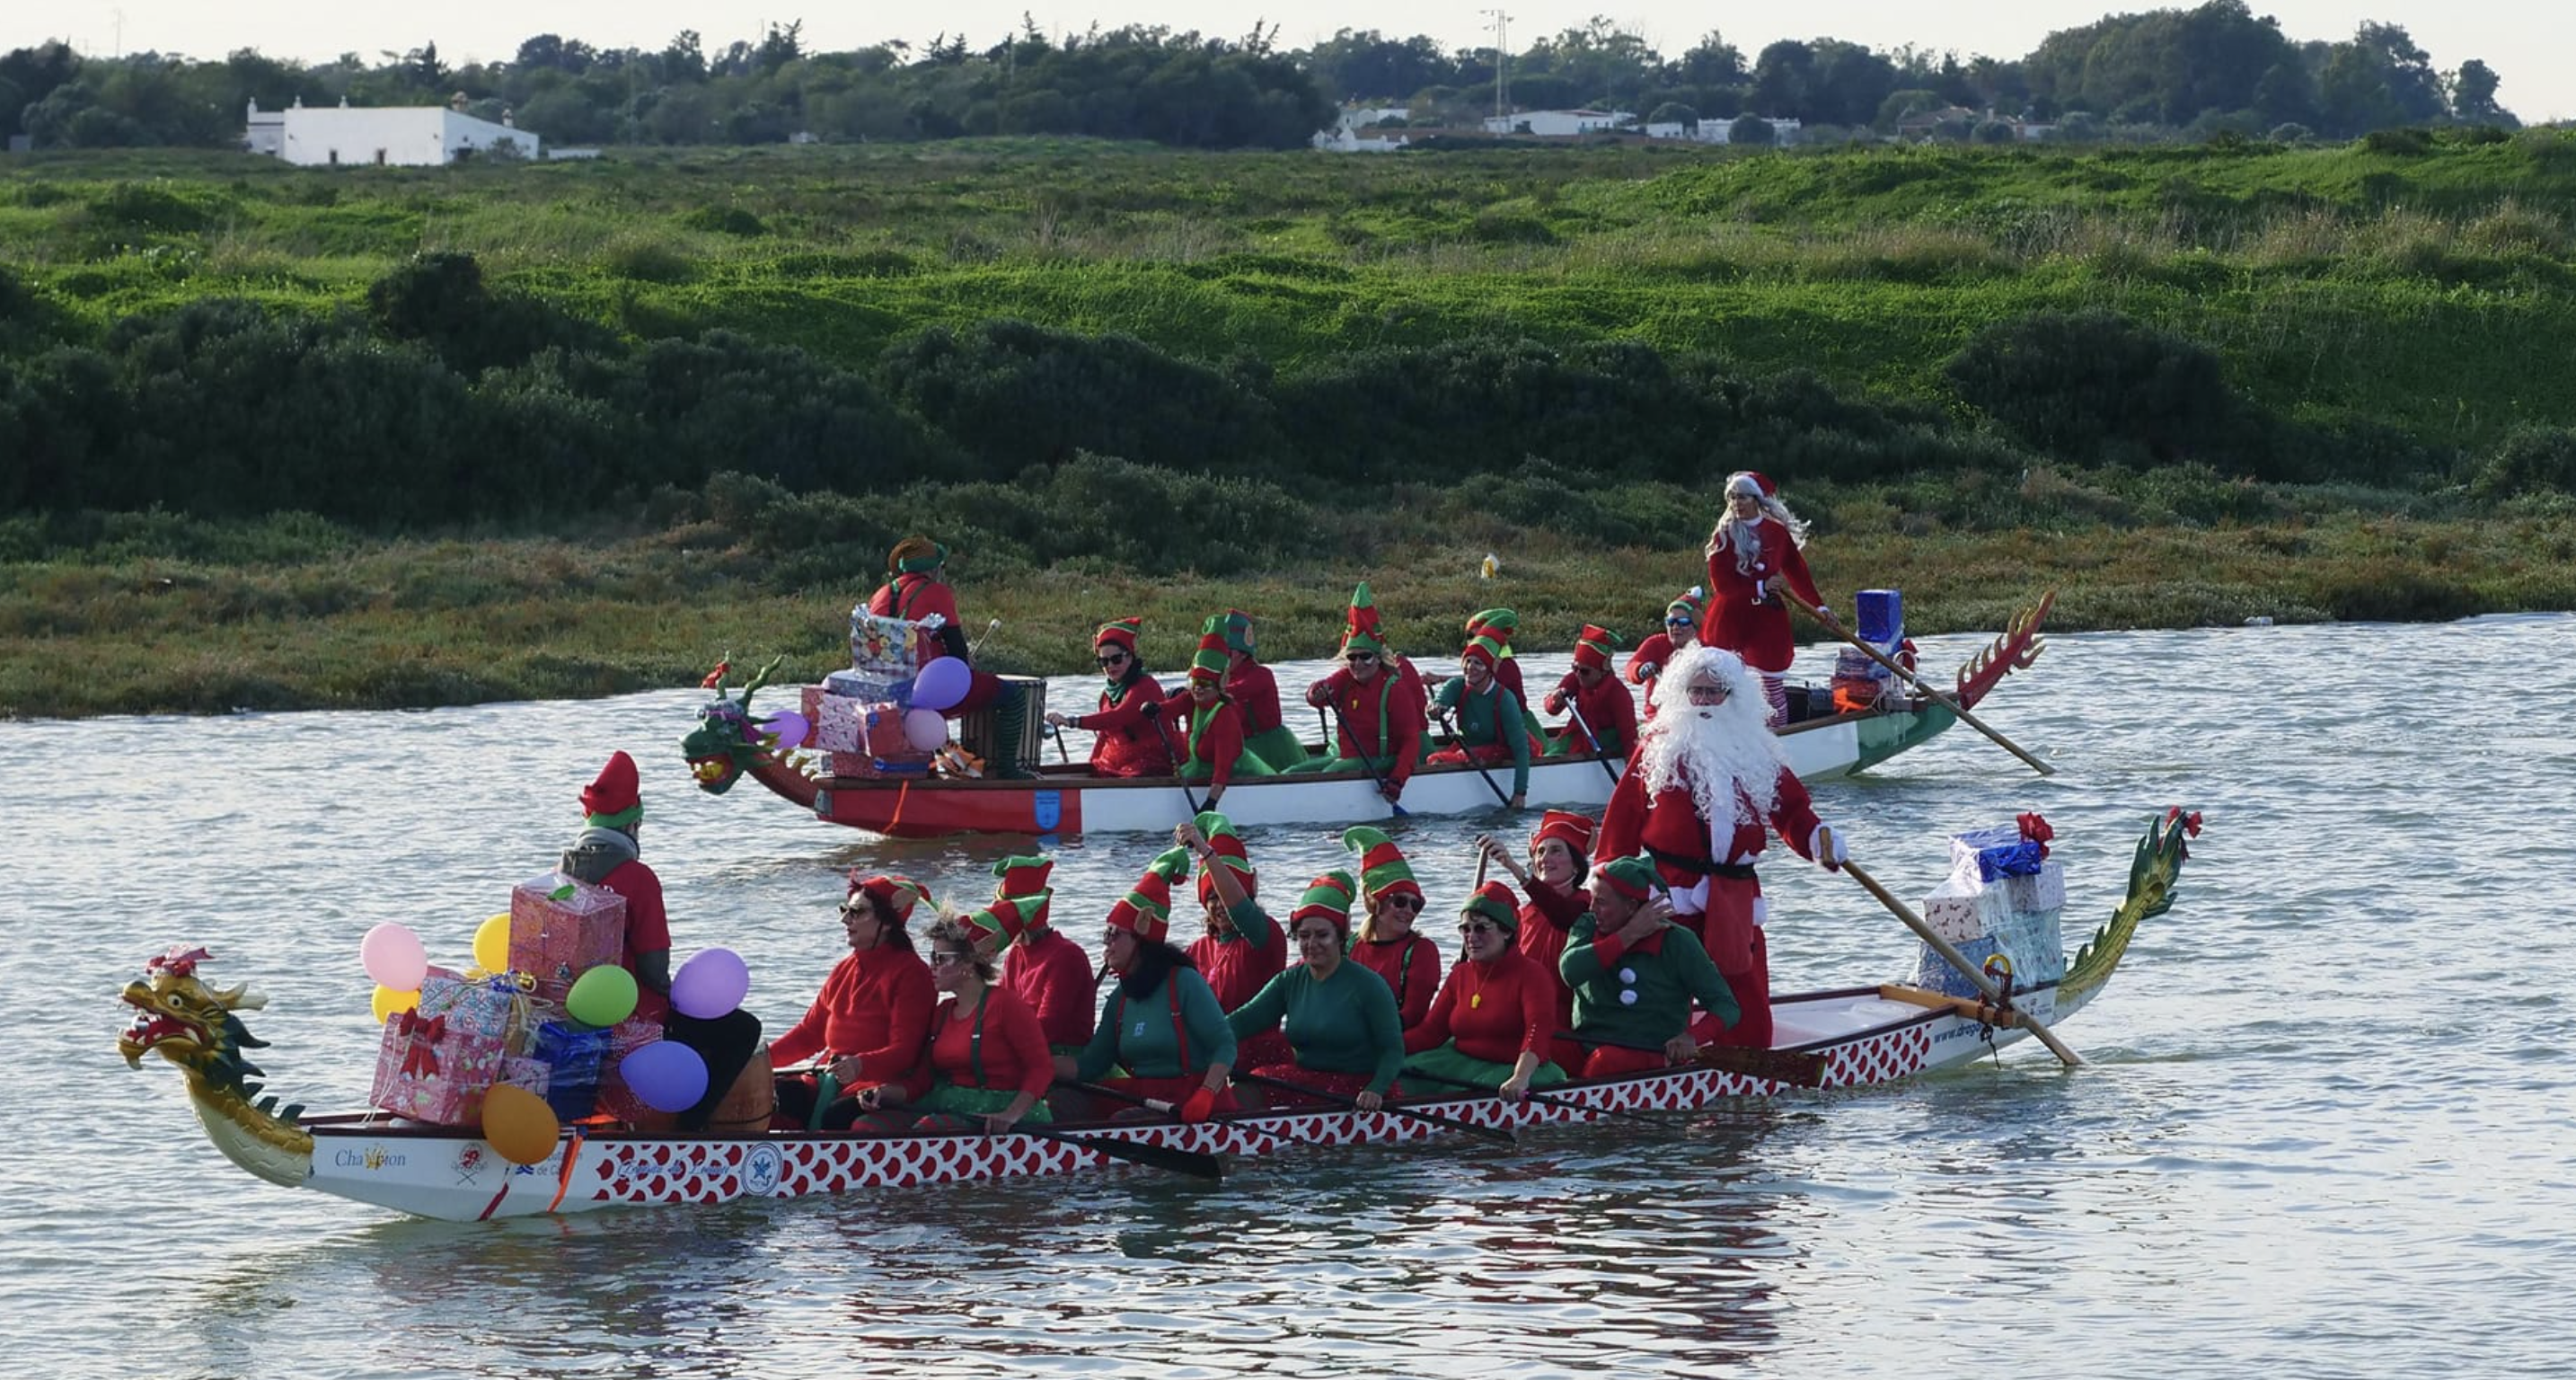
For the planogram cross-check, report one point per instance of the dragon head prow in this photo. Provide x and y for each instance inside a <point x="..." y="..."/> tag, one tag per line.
<point x="182" y="1019"/>
<point x="727" y="742"/>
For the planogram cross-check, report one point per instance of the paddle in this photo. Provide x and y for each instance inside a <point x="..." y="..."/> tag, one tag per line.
<point x="1472" y="760"/>
<point x="1385" y="786"/>
<point x="978" y="644"/>
<point x="1771" y="1065"/>
<point x="1594" y="739"/>
<point x="1540" y="1098"/>
<point x="1918" y="683"/>
<point x="1161" y="1157"/>
<point x="1060" y="754"/>
<point x="1394" y="1109"/>
<point x="1175" y="754"/>
<point x="1950" y="953"/>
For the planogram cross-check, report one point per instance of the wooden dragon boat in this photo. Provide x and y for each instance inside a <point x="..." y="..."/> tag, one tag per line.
<point x="728" y="745"/>
<point x="1853" y="1037"/>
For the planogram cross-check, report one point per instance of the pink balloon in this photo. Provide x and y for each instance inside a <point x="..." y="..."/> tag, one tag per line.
<point x="941" y="684"/>
<point x="924" y="729"/>
<point x="791" y="727"/>
<point x="393" y="956"/>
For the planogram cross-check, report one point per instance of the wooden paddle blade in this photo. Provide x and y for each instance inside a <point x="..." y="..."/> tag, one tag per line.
<point x="1774" y="1065"/>
<point x="1189" y="1162"/>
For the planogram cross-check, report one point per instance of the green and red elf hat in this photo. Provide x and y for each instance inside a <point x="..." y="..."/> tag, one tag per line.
<point x="1484" y="648"/>
<point x="899" y="893"/>
<point x="1208" y="663"/>
<point x="1118" y="632"/>
<point x="1330" y="897"/>
<point x="1025" y="876"/>
<point x="1361" y="631"/>
<point x="916" y="555"/>
<point x="1493" y="900"/>
<point x="1574" y="830"/>
<point x="1633" y="878"/>
<point x="1227" y="845"/>
<point x="1693" y="604"/>
<point x="1498" y="624"/>
<point x="1238" y="631"/>
<point x="1593" y="646"/>
<point x="1146" y="911"/>
<point x="1010" y="917"/>
<point x="1382" y="866"/>
<point x="613" y="801"/>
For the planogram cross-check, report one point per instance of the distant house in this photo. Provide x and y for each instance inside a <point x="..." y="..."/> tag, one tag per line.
<point x="1559" y="124"/>
<point x="388" y="136"/>
<point x="1355" y="131"/>
<point x="1711" y="131"/>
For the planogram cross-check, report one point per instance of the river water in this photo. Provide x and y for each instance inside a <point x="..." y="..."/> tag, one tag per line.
<point x="2324" y="1130"/>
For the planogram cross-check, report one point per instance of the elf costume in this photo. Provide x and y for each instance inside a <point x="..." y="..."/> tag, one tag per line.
<point x="1238" y="961"/>
<point x="1378" y="722"/>
<point x="875" y="1007"/>
<point x="1255" y="693"/>
<point x="914" y="591"/>
<point x="1049" y="972"/>
<point x="1493" y="727"/>
<point x="1489" y="1012"/>
<point x="606" y="854"/>
<point x="1549" y="916"/>
<point x="1126" y="740"/>
<point x="1410" y="964"/>
<point x="1162" y="1023"/>
<point x="1606" y="706"/>
<point x="1682" y="616"/>
<point x="978" y="1063"/>
<point x="1342" y="1028"/>
<point x="1209" y="736"/>
<point x="1637" y="994"/>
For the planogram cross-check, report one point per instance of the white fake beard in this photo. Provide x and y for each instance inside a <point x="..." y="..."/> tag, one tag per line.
<point x="1725" y="752"/>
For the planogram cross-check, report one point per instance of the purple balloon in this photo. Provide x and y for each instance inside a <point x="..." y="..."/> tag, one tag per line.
<point x="941" y="684"/>
<point x="666" y="1075"/>
<point x="712" y="983"/>
<point x="791" y="727"/>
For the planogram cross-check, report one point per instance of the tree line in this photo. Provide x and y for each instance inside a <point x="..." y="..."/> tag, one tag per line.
<point x="2214" y="69"/>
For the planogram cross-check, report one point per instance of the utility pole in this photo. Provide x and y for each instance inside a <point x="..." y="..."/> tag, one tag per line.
<point x="1502" y="78"/>
<point x="119" y="16"/>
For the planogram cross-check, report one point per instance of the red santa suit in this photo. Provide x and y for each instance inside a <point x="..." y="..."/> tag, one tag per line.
<point x="1743" y="616"/>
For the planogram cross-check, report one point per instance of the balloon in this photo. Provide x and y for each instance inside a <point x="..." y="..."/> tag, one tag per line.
<point x="924" y="729"/>
<point x="492" y="944"/>
<point x="602" y="995"/>
<point x="390" y="1003"/>
<point x="519" y="1124"/>
<point x="666" y="1075"/>
<point x="791" y="727"/>
<point x="394" y="957"/>
<point x="941" y="684"/>
<point x="712" y="983"/>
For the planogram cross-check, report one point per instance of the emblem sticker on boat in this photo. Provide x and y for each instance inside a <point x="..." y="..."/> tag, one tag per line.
<point x="1047" y="808"/>
<point x="760" y="1171"/>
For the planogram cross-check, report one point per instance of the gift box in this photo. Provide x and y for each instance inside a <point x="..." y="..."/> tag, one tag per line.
<point x="1960" y="909"/>
<point x="560" y="929"/>
<point x="2011" y="860"/>
<point x="836" y="719"/>
<point x="624" y="1038"/>
<point x="486" y="1004"/>
<point x="2041" y="889"/>
<point x="2029" y="941"/>
<point x="572" y="1055"/>
<point x="867" y="689"/>
<point x="531" y="1074"/>
<point x="887" y="649"/>
<point x="434" y="1068"/>
<point x="1964" y="848"/>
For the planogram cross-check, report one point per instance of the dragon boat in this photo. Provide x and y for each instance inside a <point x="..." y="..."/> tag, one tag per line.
<point x="1846" y="1038"/>
<point x="730" y="743"/>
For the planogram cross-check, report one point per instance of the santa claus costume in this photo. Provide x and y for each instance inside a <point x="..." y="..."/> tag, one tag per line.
<point x="1706" y="788"/>
<point x="1756" y="541"/>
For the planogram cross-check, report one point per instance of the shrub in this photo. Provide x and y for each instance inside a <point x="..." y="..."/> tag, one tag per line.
<point x="440" y="301"/>
<point x="2533" y="459"/>
<point x="2094" y="386"/>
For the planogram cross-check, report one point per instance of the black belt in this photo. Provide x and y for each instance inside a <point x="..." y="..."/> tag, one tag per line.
<point x="1742" y="872"/>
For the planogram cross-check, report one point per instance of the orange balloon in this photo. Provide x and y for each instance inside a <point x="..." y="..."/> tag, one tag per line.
<point x="519" y="1124"/>
<point x="389" y="1003"/>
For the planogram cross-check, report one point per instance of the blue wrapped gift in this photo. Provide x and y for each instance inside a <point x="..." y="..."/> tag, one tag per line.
<point x="2021" y="859"/>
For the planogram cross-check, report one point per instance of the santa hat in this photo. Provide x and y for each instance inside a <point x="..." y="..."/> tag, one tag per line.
<point x="900" y="894"/>
<point x="1361" y="631"/>
<point x="1025" y="876"/>
<point x="1498" y="624"/>
<point x="1330" y="897"/>
<point x="1238" y="631"/>
<point x="1573" y="829"/>
<point x="1593" y="646"/>
<point x="612" y="801"/>
<point x="1493" y="900"/>
<point x="1146" y="911"/>
<point x="1010" y="917"/>
<point x="1227" y="846"/>
<point x="1208" y="663"/>
<point x="1382" y="866"/>
<point x="916" y="555"/>
<point x="1746" y="481"/>
<point x="1482" y="648"/>
<point x="1693" y="604"/>
<point x="1633" y="878"/>
<point x="1118" y="632"/>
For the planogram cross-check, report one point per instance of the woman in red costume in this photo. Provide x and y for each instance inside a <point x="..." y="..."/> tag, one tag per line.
<point x="986" y="1065"/>
<point x="1039" y="965"/>
<point x="1242" y="948"/>
<point x="869" y="1022"/>
<point x="1558" y="866"/>
<point x="1386" y="943"/>
<point x="1753" y="553"/>
<point x="1682" y="618"/>
<point x="1127" y="740"/>
<point x="1496" y="1017"/>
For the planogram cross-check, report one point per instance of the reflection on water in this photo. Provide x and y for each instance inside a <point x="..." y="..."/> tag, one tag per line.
<point x="2321" y="1130"/>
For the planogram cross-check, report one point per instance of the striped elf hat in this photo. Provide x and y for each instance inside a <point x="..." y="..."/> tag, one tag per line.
<point x="1330" y="897"/>
<point x="900" y="893"/>
<point x="1633" y="878"/>
<point x="1025" y="876"/>
<point x="1361" y="632"/>
<point x="1146" y="911"/>
<point x="1238" y="631"/>
<point x="1493" y="900"/>
<point x="1693" y="605"/>
<point x="1482" y="647"/>
<point x="1593" y="646"/>
<point x="1208" y="663"/>
<point x="1498" y="624"/>
<point x="1227" y="845"/>
<point x="1009" y="918"/>
<point x="1382" y="866"/>
<point x="1118" y="632"/>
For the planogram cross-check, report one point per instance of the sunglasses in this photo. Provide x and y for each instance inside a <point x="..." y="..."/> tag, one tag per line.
<point x="940" y="958"/>
<point x="1404" y="901"/>
<point x="1356" y="658"/>
<point x="869" y="911"/>
<point x="1480" y="927"/>
<point x="1113" y="659"/>
<point x="1677" y="622"/>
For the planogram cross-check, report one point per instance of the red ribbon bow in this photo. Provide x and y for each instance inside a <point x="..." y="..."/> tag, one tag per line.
<point x="419" y="1060"/>
<point x="2036" y="830"/>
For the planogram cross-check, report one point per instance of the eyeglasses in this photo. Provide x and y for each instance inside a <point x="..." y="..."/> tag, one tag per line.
<point x="1113" y="659"/>
<point x="1480" y="927"/>
<point x="1677" y="622"/>
<point x="857" y="908"/>
<point x="941" y="958"/>
<point x="1405" y="900"/>
<point x="1357" y="658"/>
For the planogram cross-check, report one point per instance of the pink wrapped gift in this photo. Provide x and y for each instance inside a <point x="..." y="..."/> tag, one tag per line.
<point x="535" y="1075"/>
<point x="434" y="1069"/>
<point x="839" y="721"/>
<point x="560" y="928"/>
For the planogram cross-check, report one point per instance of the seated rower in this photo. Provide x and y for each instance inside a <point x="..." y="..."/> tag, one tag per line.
<point x="1553" y="882"/>
<point x="1492" y="724"/>
<point x="1125" y="739"/>
<point x="1493" y="1022"/>
<point x="1040" y="966"/>
<point x="1604" y="717"/>
<point x="1242" y="948"/>
<point x="1681" y="629"/>
<point x="1376" y="705"/>
<point x="1338" y="1016"/>
<point x="870" y="1020"/>
<point x="1204" y="727"/>
<point x="1162" y="1024"/>
<point x="1386" y="943"/>
<point x="1501" y="625"/>
<point x="1255" y="693"/>
<point x="985" y="1064"/>
<point x="1635" y="973"/>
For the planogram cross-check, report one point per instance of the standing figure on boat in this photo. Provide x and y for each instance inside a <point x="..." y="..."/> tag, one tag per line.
<point x="1604" y="717"/>
<point x="1755" y="551"/>
<point x="1162" y="1024"/>
<point x="1708" y="785"/>
<point x="1377" y="705"/>
<point x="1559" y="862"/>
<point x="985" y="1064"/>
<point x="1495" y="1020"/>
<point x="1492" y="723"/>
<point x="1041" y="967"/>
<point x="1127" y="738"/>
<point x="1338" y="1018"/>
<point x="1208" y="723"/>
<point x="1682" y="618"/>
<point x="1255" y="693"/>
<point x="869" y="1023"/>
<point x="1242" y="947"/>
<point x="1635" y="974"/>
<point x="914" y="590"/>
<point x="607" y="853"/>
<point x="1387" y="943"/>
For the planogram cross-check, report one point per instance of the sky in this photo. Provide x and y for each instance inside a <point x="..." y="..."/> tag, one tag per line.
<point x="2531" y="44"/>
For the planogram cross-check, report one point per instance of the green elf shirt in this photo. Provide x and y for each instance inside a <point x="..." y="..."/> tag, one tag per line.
<point x="1343" y="1024"/>
<point x="1641" y="994"/>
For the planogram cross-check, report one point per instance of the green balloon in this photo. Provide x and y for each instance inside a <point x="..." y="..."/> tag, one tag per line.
<point x="602" y="996"/>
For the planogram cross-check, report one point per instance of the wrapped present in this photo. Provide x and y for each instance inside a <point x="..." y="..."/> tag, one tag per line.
<point x="434" y="1068"/>
<point x="2027" y="941"/>
<point x="572" y="1054"/>
<point x="1960" y="909"/>
<point x="2043" y="888"/>
<point x="485" y="1003"/>
<point x="624" y="1038"/>
<point x="2011" y="860"/>
<point x="531" y="1074"/>
<point x="837" y="719"/>
<point x="867" y="689"/>
<point x="560" y="928"/>
<point x="1964" y="848"/>
<point x="889" y="649"/>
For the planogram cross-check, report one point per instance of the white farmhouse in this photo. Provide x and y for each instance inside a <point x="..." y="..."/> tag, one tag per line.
<point x="1558" y="123"/>
<point x="397" y="136"/>
<point x="1714" y="131"/>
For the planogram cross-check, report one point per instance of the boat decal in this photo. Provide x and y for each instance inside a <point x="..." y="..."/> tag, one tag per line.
<point x="1047" y="808"/>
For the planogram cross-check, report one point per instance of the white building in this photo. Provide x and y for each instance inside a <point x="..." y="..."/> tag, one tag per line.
<point x="1559" y="123"/>
<point x="396" y="136"/>
<point x="1719" y="131"/>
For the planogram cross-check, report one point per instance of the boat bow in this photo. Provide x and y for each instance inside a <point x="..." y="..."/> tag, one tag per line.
<point x="192" y="1025"/>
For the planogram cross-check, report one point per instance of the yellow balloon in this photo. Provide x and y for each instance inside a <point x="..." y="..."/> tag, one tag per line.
<point x="492" y="944"/>
<point x="519" y="1124"/>
<point x="390" y="1003"/>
